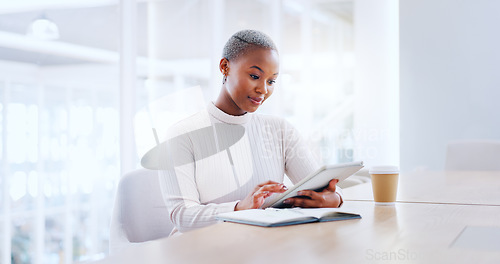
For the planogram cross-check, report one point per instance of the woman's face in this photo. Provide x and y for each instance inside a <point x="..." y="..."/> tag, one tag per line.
<point x="250" y="80"/>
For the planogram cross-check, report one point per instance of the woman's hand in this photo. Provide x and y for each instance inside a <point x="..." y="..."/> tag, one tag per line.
<point x="256" y="198"/>
<point x="326" y="198"/>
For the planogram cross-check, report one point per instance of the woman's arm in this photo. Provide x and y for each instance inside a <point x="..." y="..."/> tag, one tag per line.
<point x="181" y="191"/>
<point x="179" y="188"/>
<point x="186" y="211"/>
<point x="299" y="162"/>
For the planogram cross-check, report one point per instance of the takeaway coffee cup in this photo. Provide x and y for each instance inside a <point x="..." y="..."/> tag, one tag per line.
<point x="384" y="184"/>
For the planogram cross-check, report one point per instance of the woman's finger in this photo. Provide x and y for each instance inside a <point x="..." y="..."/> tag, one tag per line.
<point x="329" y="199"/>
<point x="303" y="202"/>
<point x="311" y="194"/>
<point x="268" y="182"/>
<point x="257" y="198"/>
<point x="332" y="185"/>
<point x="259" y="194"/>
<point x="273" y="188"/>
<point x="264" y="183"/>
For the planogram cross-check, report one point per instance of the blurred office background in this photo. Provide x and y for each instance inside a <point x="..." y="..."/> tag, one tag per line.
<point x="82" y="84"/>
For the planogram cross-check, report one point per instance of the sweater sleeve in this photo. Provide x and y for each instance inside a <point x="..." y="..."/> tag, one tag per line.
<point x="179" y="188"/>
<point x="299" y="160"/>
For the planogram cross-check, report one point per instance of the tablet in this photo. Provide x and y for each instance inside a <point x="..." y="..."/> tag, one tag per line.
<point x="315" y="181"/>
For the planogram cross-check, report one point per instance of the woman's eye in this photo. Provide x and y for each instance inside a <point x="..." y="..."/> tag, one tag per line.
<point x="255" y="77"/>
<point x="271" y="82"/>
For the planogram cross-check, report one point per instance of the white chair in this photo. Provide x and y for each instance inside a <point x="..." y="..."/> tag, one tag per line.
<point x="473" y="155"/>
<point x="139" y="213"/>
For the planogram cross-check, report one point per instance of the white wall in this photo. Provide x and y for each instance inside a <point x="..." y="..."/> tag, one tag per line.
<point x="376" y="115"/>
<point x="450" y="77"/>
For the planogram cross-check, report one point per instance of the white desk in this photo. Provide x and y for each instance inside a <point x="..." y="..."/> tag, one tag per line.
<point x="404" y="233"/>
<point x="453" y="187"/>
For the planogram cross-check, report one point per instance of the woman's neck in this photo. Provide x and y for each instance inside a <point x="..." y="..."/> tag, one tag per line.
<point x="226" y="104"/>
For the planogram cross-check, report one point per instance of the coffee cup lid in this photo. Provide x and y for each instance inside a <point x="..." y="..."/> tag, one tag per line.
<point x="384" y="169"/>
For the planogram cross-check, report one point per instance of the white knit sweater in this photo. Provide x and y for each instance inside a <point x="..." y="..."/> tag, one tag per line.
<point x="214" y="160"/>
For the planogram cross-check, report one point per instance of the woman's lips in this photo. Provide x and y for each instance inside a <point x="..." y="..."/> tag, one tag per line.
<point x="256" y="100"/>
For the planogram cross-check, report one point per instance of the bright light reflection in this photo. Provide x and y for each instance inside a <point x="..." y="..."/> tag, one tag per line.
<point x="33" y="183"/>
<point x="63" y="179"/>
<point x="31" y="143"/>
<point x="18" y="185"/>
<point x="1" y="130"/>
<point x="47" y="190"/>
<point x="81" y="120"/>
<point x="16" y="127"/>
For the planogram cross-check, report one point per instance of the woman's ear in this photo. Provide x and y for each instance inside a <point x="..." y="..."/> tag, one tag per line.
<point x="224" y="66"/>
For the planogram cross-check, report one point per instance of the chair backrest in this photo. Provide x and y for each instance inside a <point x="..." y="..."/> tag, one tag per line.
<point x="473" y="155"/>
<point x="139" y="213"/>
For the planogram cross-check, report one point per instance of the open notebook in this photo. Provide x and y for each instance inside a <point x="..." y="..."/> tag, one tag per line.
<point x="270" y="217"/>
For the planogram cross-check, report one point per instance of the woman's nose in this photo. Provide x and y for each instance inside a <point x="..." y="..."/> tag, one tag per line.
<point x="262" y="88"/>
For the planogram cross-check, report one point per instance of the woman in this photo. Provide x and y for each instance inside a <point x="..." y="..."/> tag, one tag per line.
<point x="226" y="158"/>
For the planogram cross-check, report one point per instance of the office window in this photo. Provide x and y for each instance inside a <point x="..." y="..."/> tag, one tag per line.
<point x="62" y="162"/>
<point x="59" y="131"/>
